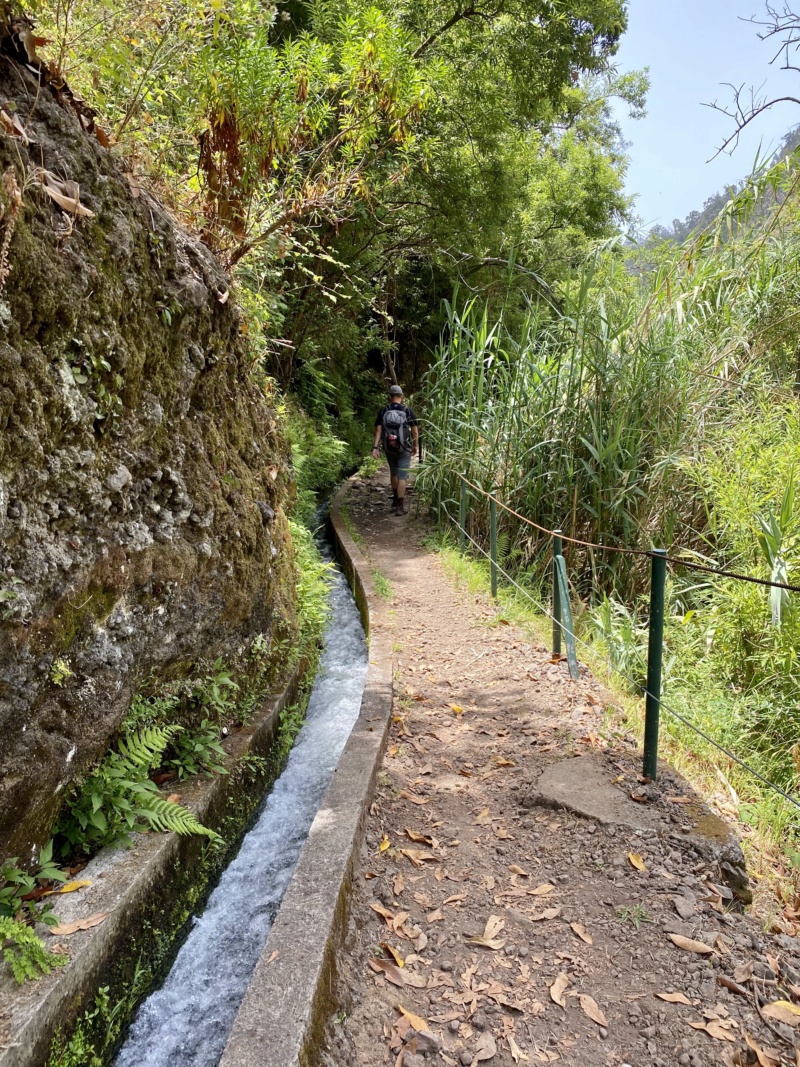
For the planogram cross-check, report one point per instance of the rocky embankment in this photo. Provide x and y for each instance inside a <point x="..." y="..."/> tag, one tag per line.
<point x="142" y="474"/>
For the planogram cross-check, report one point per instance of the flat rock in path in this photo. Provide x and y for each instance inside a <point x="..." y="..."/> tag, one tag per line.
<point x="584" y="785"/>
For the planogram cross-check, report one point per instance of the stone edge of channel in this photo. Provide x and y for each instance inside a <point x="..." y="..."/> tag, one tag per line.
<point x="281" y="1021"/>
<point x="133" y="877"/>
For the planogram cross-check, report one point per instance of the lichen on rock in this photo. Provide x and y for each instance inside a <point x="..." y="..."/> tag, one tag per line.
<point x="143" y="477"/>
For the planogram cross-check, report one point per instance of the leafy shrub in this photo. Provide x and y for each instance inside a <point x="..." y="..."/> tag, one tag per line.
<point x="17" y="888"/>
<point x="197" y="752"/>
<point x="24" y="952"/>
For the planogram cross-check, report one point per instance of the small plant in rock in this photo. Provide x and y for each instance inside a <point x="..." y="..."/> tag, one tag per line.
<point x="20" y="889"/>
<point x="252" y="765"/>
<point x="216" y="693"/>
<point x="60" y="671"/>
<point x="635" y="914"/>
<point x="10" y="599"/>
<point x="197" y="752"/>
<point x="24" y="952"/>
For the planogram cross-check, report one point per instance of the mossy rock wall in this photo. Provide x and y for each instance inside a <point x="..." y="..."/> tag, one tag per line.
<point x="142" y="516"/>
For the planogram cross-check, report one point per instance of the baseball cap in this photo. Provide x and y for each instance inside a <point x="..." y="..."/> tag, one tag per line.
<point x="395" y="390"/>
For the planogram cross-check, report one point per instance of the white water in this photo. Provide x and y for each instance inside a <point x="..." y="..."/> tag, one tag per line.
<point x="186" y="1022"/>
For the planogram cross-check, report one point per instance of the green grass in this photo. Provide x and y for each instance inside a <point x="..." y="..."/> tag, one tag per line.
<point x="383" y="587"/>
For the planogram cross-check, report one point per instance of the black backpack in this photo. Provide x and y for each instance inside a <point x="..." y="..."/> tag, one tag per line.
<point x="396" y="437"/>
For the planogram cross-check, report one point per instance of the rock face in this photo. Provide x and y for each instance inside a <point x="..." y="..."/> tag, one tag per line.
<point x="142" y="474"/>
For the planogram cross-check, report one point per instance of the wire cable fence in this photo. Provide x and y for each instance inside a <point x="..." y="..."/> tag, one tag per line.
<point x="561" y="618"/>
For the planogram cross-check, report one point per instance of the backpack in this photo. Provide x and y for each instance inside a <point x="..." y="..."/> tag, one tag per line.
<point x="396" y="437"/>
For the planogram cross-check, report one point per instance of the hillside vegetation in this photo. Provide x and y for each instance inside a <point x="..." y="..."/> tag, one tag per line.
<point x="650" y="399"/>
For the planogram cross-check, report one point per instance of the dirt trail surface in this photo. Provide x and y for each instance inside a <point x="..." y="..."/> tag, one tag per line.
<point x="529" y="933"/>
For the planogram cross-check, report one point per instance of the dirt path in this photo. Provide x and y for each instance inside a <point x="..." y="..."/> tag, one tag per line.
<point x="531" y="934"/>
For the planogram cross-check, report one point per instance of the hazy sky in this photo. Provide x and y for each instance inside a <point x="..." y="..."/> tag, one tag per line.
<point x="691" y="47"/>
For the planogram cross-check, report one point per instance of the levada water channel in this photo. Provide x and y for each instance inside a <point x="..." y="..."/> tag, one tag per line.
<point x="186" y="1022"/>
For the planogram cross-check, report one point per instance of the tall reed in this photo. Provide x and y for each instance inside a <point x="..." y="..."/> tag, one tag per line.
<point x="587" y="410"/>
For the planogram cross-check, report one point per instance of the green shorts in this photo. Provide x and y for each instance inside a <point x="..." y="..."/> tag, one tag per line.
<point x="399" y="466"/>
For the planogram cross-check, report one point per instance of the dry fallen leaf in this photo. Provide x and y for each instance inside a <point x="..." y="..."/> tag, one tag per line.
<point x="80" y="924"/>
<point x="379" y="908"/>
<point x="782" y="1011"/>
<point x="421" y="839"/>
<point x="743" y="972"/>
<point x="385" y="843"/>
<point x="417" y="1022"/>
<point x="517" y="870"/>
<point x="398" y="885"/>
<point x="389" y="970"/>
<point x="516" y="1051"/>
<point x="766" y="1057"/>
<point x="414" y="798"/>
<point x="483" y="817"/>
<point x="688" y="945"/>
<point x="434" y="916"/>
<point x="557" y="989"/>
<point x="488" y="939"/>
<point x="398" y="920"/>
<point x="67" y="887"/>
<point x="65" y="193"/>
<point x="580" y="931"/>
<point x="456" y="708"/>
<point x="637" y="861"/>
<point x="674" y="998"/>
<point x="418" y="856"/>
<point x="457" y="898"/>
<point x="548" y="913"/>
<point x="485" y="1049"/>
<point x="541" y="890"/>
<point x="398" y="959"/>
<point x="714" y="1029"/>
<point x="590" y="1008"/>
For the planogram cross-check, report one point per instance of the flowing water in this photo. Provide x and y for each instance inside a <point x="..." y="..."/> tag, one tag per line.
<point x="186" y="1022"/>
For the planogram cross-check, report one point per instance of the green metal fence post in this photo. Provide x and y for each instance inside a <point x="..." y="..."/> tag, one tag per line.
<point x="557" y="547"/>
<point x="462" y="535"/>
<point x="655" y="651"/>
<point x="493" y="542"/>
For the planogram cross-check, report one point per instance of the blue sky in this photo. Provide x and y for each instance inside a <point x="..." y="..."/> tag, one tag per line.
<point x="691" y="48"/>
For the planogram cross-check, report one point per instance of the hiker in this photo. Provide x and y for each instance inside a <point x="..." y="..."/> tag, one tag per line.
<point x="396" y="428"/>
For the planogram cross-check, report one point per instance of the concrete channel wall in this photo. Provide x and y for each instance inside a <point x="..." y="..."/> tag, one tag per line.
<point x="282" y="1019"/>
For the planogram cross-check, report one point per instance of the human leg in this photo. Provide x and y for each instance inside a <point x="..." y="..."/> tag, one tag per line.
<point x="403" y="466"/>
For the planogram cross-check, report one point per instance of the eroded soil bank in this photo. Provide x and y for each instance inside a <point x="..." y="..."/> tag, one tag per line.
<point x="528" y="932"/>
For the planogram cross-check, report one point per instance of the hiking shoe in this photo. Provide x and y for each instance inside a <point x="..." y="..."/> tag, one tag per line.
<point x="401" y="509"/>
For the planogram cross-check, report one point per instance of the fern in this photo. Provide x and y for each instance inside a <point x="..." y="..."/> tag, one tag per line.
<point x="143" y="749"/>
<point x="167" y="817"/>
<point x="118" y="798"/>
<point x="24" y="952"/>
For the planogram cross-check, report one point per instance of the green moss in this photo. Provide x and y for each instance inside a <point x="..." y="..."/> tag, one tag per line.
<point x="70" y="617"/>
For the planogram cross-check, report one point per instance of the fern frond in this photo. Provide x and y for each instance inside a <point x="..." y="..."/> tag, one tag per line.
<point x="24" y="952"/>
<point x="144" y="749"/>
<point x="167" y="817"/>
